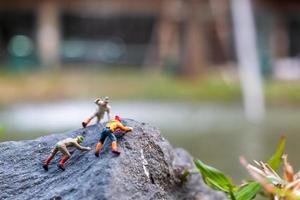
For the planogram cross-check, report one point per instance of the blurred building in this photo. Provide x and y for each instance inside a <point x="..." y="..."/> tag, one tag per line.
<point x="186" y="36"/>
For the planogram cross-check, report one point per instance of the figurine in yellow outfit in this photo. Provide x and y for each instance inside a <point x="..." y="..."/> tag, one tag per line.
<point x="109" y="131"/>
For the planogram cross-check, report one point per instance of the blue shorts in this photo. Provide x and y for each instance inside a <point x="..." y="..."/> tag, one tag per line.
<point x="106" y="132"/>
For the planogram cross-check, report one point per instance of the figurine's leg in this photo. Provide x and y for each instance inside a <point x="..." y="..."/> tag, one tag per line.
<point x="98" y="120"/>
<point x="87" y="121"/>
<point x="114" y="146"/>
<point x="99" y="117"/>
<point x="53" y="153"/>
<point x="61" y="164"/>
<point x="100" y="143"/>
<point x="66" y="157"/>
<point x="98" y="148"/>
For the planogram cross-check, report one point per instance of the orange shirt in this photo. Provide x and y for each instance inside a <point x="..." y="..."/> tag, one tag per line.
<point x="113" y="125"/>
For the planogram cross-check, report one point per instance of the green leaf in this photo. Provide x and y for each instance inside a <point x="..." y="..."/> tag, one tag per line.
<point x="248" y="192"/>
<point x="215" y="178"/>
<point x="275" y="160"/>
<point x="216" y="186"/>
<point x="231" y="194"/>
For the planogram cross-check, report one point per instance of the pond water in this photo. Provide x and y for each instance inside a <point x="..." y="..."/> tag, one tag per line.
<point x="215" y="133"/>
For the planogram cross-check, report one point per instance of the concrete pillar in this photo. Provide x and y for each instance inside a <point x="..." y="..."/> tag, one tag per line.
<point x="48" y="33"/>
<point x="248" y="61"/>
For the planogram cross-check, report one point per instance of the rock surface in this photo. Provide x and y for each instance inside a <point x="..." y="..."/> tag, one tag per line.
<point x="148" y="168"/>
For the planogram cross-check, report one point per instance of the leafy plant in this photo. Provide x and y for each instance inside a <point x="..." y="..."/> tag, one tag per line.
<point x="286" y="188"/>
<point x="264" y="176"/>
<point x="275" y="161"/>
<point x="248" y="191"/>
<point x="217" y="180"/>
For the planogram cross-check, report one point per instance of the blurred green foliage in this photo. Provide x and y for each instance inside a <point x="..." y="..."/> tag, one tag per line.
<point x="2" y="132"/>
<point x="2" y="129"/>
<point x="15" y="136"/>
<point x="118" y="84"/>
<point x="132" y="84"/>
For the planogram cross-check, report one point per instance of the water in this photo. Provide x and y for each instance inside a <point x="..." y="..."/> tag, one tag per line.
<point x="217" y="134"/>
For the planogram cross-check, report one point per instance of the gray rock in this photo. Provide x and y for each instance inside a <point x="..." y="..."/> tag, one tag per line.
<point x="148" y="168"/>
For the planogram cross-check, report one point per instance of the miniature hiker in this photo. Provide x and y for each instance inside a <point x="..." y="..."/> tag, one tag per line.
<point x="62" y="147"/>
<point x="103" y="108"/>
<point x="109" y="131"/>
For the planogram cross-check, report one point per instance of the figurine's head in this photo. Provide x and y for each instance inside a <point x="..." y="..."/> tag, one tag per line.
<point x="118" y="118"/>
<point x="80" y="138"/>
<point x="106" y="100"/>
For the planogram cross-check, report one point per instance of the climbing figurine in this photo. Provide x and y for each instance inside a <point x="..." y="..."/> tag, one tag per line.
<point x="108" y="131"/>
<point x="103" y="108"/>
<point x="62" y="146"/>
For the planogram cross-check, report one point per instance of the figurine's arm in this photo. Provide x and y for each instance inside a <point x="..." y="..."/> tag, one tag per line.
<point x="78" y="146"/>
<point x="124" y="128"/>
<point x="97" y="101"/>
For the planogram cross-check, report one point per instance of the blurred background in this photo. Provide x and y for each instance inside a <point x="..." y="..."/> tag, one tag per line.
<point x="219" y="78"/>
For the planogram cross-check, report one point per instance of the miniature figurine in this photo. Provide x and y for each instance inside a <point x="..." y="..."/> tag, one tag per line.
<point x="102" y="108"/>
<point x="109" y="131"/>
<point x="62" y="147"/>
